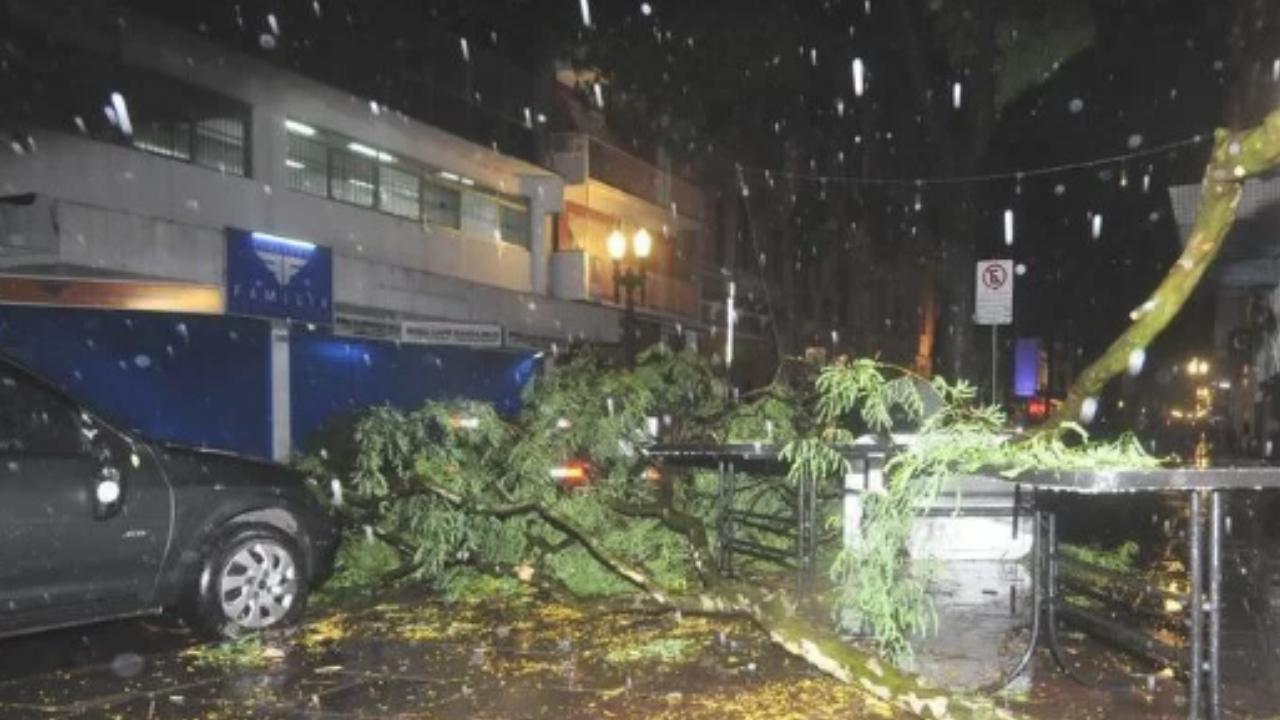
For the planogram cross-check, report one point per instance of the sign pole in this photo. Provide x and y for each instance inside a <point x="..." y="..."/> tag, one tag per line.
<point x="993" y="305"/>
<point x="995" y="394"/>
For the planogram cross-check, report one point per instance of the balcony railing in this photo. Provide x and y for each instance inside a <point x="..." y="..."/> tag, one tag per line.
<point x="578" y="156"/>
<point x="577" y="275"/>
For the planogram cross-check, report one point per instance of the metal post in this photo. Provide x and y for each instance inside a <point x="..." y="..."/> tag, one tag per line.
<point x="1215" y="604"/>
<point x="995" y="395"/>
<point x="729" y="322"/>
<point x="1195" y="567"/>
<point x="726" y="492"/>
<point x="628" y="325"/>
<point x="281" y="408"/>
<point x="807" y="540"/>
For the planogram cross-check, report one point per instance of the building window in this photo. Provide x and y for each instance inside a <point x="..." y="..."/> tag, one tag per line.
<point x="329" y="165"/>
<point x="441" y="205"/>
<point x="308" y="164"/>
<point x="479" y="215"/>
<point x="219" y="143"/>
<point x="399" y="192"/>
<point x="68" y="87"/>
<point x="171" y="140"/>
<point x="352" y="178"/>
<point x="515" y="222"/>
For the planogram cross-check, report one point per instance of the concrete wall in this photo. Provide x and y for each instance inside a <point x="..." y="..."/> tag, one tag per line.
<point x="118" y="210"/>
<point x="156" y="192"/>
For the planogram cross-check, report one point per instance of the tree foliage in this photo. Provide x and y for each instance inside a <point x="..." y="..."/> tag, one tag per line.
<point x="457" y="491"/>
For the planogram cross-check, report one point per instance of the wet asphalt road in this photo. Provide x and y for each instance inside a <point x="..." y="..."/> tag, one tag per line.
<point x="414" y="658"/>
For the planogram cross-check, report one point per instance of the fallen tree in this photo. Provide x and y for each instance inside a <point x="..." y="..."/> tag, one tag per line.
<point x="564" y="497"/>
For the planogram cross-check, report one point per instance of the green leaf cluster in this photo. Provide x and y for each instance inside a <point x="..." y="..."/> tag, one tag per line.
<point x="938" y="434"/>
<point x="457" y="491"/>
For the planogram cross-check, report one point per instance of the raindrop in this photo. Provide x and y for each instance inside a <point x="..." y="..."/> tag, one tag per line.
<point x="859" y="74"/>
<point x="1008" y="227"/>
<point x="315" y="7"/>
<point x="1076" y="105"/>
<point x="586" y="12"/>
<point x="267" y="41"/>
<point x="1020" y="269"/>
<point x="1135" y="141"/>
<point x="1088" y="409"/>
<point x="81" y="126"/>
<point x="646" y="9"/>
<point x="127" y="665"/>
<point x="840" y="107"/>
<point x="1137" y="358"/>
<point x="374" y="107"/>
<point x="466" y="50"/>
<point x="957" y="92"/>
<point x="273" y="24"/>
<point x="1059" y="189"/>
<point x="599" y="93"/>
<point x="1146" y="181"/>
<point x="1096" y="226"/>
<point x="1275" y="71"/>
<point x="121" y="113"/>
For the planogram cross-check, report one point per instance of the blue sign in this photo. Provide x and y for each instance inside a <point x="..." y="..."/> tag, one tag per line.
<point x="278" y="277"/>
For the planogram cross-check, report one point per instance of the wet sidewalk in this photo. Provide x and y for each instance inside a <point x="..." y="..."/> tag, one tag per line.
<point x="419" y="658"/>
<point x="428" y="660"/>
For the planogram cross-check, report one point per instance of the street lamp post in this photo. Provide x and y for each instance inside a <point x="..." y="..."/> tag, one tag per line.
<point x="627" y="280"/>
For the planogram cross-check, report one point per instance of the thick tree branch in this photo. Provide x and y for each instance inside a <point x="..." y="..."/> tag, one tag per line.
<point x="617" y="566"/>
<point x="684" y="524"/>
<point x="771" y="610"/>
<point x="1236" y="157"/>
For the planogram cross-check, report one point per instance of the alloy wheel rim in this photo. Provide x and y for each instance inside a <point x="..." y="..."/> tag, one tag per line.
<point x="258" y="585"/>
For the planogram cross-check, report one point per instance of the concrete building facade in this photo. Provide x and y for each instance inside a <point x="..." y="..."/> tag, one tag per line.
<point x="140" y="155"/>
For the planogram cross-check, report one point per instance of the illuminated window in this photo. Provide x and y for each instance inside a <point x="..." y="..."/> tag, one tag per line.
<point x="307" y="161"/>
<point x="398" y="192"/>
<point x="352" y="178"/>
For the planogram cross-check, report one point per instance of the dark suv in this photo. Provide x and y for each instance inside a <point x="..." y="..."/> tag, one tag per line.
<point x="98" y="523"/>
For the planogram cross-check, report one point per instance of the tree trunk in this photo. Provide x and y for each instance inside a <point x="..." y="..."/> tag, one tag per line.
<point x="1236" y="157"/>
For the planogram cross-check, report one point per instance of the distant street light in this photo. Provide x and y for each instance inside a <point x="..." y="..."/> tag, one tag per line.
<point x="627" y="280"/>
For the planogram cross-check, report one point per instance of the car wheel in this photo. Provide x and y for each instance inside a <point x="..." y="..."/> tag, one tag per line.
<point x="253" y="579"/>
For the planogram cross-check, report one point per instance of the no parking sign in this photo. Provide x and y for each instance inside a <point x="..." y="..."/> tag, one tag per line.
<point x="994" y="302"/>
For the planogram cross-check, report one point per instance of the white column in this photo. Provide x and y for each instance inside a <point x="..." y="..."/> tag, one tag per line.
<point x="546" y="197"/>
<point x="281" y="411"/>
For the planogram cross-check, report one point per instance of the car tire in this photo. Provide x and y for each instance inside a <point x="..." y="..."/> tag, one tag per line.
<point x="253" y="578"/>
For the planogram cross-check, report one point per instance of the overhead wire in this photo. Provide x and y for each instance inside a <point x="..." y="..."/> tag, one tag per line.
<point x="986" y="177"/>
